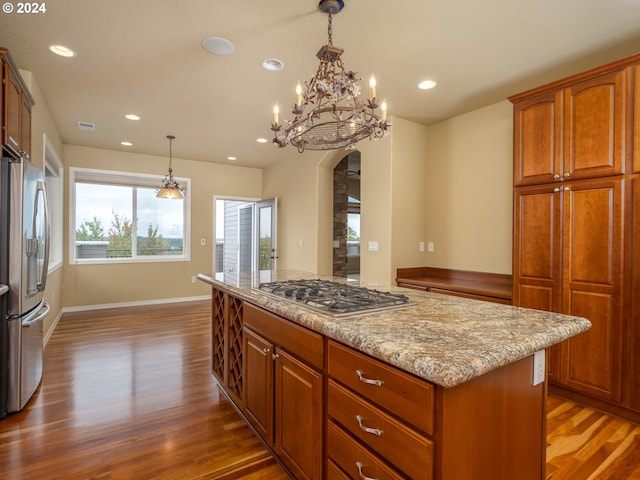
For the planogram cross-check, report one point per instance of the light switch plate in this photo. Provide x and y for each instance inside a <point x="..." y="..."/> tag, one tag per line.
<point x="373" y="246"/>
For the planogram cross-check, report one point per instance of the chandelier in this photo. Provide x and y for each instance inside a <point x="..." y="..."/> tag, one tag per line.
<point x="170" y="188"/>
<point x="328" y="113"/>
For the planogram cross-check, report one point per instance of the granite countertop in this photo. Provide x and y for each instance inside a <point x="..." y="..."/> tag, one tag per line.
<point x="444" y="339"/>
<point x="3" y="289"/>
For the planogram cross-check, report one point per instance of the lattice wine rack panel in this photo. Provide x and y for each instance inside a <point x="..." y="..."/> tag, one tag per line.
<point x="217" y="334"/>
<point x="235" y="345"/>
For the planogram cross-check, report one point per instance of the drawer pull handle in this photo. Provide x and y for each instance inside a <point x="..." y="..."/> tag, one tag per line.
<point x="362" y="475"/>
<point x="363" y="379"/>
<point x="373" y="431"/>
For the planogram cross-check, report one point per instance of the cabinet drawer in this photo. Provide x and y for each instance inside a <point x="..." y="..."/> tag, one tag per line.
<point x="394" y="390"/>
<point x="401" y="446"/>
<point x="334" y="472"/>
<point x="355" y="460"/>
<point x="297" y="340"/>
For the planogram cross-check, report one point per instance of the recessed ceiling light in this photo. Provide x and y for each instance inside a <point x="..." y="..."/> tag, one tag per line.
<point x="62" y="51"/>
<point x="132" y="116"/>
<point x="272" y="64"/>
<point x="126" y="144"/>
<point x="262" y="140"/>
<point x="427" y="84"/>
<point x="218" y="46"/>
<point x="232" y="158"/>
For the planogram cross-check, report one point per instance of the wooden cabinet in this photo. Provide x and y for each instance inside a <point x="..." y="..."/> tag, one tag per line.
<point x="634" y="298"/>
<point x="226" y="343"/>
<point x="573" y="204"/>
<point x="568" y="252"/>
<point x="284" y="389"/>
<point x="572" y="133"/>
<point x="490" y="287"/>
<point x="360" y="393"/>
<point x="16" y="117"/>
<point x="387" y="424"/>
<point x="635" y="127"/>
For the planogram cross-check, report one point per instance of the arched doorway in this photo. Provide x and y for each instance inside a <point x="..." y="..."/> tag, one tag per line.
<point x="346" y="217"/>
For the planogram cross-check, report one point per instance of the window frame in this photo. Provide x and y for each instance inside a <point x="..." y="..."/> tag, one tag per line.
<point x="54" y="179"/>
<point x="126" y="179"/>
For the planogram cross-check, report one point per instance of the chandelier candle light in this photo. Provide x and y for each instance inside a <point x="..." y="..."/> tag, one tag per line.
<point x="170" y="187"/>
<point x="328" y="113"/>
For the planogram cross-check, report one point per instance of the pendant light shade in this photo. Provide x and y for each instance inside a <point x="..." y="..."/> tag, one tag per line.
<point x="170" y="187"/>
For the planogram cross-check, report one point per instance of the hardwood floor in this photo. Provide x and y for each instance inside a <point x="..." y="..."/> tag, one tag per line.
<point x="586" y="444"/>
<point x="128" y="394"/>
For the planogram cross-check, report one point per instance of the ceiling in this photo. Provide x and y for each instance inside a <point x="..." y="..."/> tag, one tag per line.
<point x="146" y="57"/>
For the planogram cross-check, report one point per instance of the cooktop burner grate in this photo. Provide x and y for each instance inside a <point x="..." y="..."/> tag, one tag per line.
<point x="334" y="298"/>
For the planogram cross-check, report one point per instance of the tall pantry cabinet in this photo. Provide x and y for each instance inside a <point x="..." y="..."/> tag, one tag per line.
<point x="576" y="227"/>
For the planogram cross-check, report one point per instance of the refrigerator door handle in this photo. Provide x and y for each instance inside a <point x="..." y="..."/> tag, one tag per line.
<point x="41" y="189"/>
<point x="43" y="313"/>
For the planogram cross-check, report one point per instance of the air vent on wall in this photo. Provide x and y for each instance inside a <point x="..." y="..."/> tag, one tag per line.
<point x="86" y="126"/>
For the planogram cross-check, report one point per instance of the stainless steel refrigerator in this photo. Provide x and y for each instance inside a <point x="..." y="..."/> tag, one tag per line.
<point x="24" y="260"/>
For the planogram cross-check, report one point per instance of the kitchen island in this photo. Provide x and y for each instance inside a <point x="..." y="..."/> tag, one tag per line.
<point x="444" y="387"/>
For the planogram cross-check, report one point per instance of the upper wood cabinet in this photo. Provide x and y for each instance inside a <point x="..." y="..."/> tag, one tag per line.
<point x="16" y="115"/>
<point x="573" y="129"/>
<point x="538" y="139"/>
<point x="594" y="127"/>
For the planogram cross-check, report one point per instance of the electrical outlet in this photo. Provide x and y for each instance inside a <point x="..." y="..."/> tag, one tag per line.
<point x="539" y="367"/>
<point x="430" y="246"/>
<point x="193" y="279"/>
<point x="421" y="247"/>
<point x="203" y="242"/>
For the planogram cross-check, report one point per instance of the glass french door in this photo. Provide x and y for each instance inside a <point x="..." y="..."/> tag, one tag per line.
<point x="265" y="234"/>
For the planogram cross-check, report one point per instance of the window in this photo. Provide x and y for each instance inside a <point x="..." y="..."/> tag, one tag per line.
<point x="116" y="217"/>
<point x="54" y="175"/>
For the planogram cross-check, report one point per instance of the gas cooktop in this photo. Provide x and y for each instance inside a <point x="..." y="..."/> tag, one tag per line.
<point x="334" y="298"/>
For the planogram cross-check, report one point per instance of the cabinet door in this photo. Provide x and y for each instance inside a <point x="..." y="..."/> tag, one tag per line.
<point x="594" y="127"/>
<point x="298" y="416"/>
<point x="538" y="139"/>
<point x="635" y="293"/>
<point x="258" y="384"/>
<point x="25" y="128"/>
<point x="537" y="274"/>
<point x="13" y="107"/>
<point x="592" y="278"/>
<point x="636" y="120"/>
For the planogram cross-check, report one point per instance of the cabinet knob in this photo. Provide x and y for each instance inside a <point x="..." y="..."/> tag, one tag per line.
<point x="566" y="189"/>
<point x="364" y="428"/>
<point x="557" y="189"/>
<point x="274" y="356"/>
<point x="266" y="350"/>
<point x="556" y="176"/>
<point x="363" y="379"/>
<point x="566" y="174"/>
<point x="361" y="474"/>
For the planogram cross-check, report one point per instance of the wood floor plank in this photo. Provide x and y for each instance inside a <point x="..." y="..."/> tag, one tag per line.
<point x="128" y="394"/>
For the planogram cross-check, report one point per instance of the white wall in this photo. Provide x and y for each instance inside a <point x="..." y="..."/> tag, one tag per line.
<point x="469" y="190"/>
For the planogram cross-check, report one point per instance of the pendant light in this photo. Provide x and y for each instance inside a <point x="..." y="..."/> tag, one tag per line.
<point x="170" y="187"/>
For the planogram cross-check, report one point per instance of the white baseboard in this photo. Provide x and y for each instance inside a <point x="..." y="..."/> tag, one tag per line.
<point x="104" y="306"/>
<point x="142" y="303"/>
